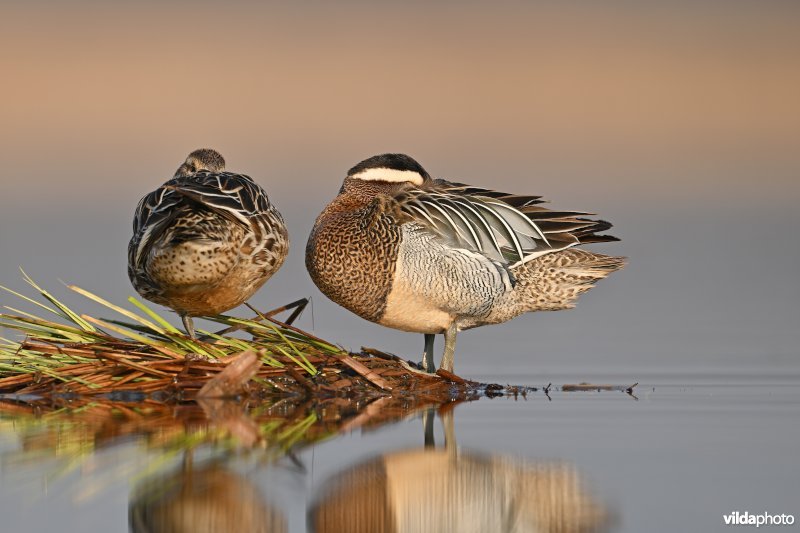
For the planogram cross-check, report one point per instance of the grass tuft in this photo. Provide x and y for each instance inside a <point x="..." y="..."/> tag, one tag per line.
<point x="141" y="351"/>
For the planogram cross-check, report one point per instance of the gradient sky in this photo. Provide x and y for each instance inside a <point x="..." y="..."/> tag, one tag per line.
<point x="679" y="122"/>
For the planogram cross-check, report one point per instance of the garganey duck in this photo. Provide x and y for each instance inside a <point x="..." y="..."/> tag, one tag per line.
<point x="427" y="255"/>
<point x="206" y="240"/>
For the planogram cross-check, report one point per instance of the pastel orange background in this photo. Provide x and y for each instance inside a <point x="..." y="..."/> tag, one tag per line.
<point x="96" y="93"/>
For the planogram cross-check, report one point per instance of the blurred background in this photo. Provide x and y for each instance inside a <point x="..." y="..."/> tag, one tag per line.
<point x="679" y="122"/>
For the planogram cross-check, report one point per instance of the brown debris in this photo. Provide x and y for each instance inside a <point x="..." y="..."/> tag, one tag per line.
<point x="581" y="387"/>
<point x="232" y="380"/>
<point x="369" y="375"/>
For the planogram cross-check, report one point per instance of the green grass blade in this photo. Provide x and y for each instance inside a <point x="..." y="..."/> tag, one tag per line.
<point x="307" y="365"/>
<point x="36" y="325"/>
<point x="33" y="319"/>
<point x="236" y="344"/>
<point x="69" y="314"/>
<point x="137" y="327"/>
<point x="118" y="309"/>
<point x="155" y="316"/>
<point x="160" y="346"/>
<point x="31" y="300"/>
<point x="190" y="345"/>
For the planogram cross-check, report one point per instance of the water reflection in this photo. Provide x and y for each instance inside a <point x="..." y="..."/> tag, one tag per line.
<point x="203" y="499"/>
<point x="76" y="428"/>
<point x="430" y="488"/>
<point x="451" y="490"/>
<point x="56" y="437"/>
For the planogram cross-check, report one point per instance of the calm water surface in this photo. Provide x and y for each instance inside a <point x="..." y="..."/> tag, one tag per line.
<point x="687" y="449"/>
<point x="714" y="428"/>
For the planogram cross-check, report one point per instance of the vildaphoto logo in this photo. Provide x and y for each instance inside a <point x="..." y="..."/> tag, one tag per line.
<point x="764" y="519"/>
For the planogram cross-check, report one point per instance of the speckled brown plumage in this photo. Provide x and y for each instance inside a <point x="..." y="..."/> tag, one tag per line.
<point x="206" y="240"/>
<point x="431" y="256"/>
<point x="352" y="249"/>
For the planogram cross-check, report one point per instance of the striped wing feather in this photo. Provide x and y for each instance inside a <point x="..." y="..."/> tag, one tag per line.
<point x="505" y="227"/>
<point x="229" y="194"/>
<point x="235" y="197"/>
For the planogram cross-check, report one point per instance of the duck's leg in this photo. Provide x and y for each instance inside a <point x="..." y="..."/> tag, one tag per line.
<point x="427" y="424"/>
<point x="427" y="355"/>
<point x="189" y="325"/>
<point x="449" y="347"/>
<point x="449" y="434"/>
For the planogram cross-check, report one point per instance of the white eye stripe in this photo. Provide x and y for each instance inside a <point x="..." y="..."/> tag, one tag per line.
<point x="390" y="175"/>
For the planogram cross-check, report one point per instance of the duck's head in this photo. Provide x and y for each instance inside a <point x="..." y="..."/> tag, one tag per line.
<point x="387" y="170"/>
<point x="202" y="159"/>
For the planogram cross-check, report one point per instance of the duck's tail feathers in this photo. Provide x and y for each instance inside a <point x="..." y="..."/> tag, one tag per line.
<point x="591" y="267"/>
<point x="555" y="281"/>
<point x="589" y="234"/>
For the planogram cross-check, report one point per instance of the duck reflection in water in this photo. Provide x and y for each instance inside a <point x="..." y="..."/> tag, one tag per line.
<point x="448" y="490"/>
<point x="202" y="500"/>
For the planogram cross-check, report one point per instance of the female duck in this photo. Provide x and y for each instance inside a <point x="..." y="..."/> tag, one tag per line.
<point x="206" y="240"/>
<point x="412" y="253"/>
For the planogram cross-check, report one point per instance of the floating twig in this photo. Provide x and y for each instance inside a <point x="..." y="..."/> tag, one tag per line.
<point x="581" y="387"/>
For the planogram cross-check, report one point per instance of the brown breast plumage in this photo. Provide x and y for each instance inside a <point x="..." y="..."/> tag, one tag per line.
<point x="352" y="251"/>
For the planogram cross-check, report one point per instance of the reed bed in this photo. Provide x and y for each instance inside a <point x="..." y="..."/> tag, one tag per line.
<point x="139" y="354"/>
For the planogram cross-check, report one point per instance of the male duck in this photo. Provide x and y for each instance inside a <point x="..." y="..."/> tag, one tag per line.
<point x="427" y="255"/>
<point x="206" y="240"/>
